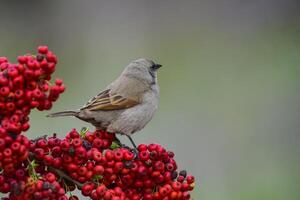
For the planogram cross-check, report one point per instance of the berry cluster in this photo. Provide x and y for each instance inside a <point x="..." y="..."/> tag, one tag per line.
<point x="23" y="86"/>
<point x="76" y="156"/>
<point x="32" y="187"/>
<point x="94" y="162"/>
<point x="103" y="169"/>
<point x="13" y="151"/>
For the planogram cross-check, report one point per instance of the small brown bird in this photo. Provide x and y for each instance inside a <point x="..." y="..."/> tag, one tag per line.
<point x="127" y="104"/>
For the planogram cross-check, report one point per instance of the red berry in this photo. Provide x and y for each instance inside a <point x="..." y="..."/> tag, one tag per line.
<point x="4" y="91"/>
<point x="43" y="49"/>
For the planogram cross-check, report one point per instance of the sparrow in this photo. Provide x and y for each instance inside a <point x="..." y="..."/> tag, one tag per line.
<point x="127" y="104"/>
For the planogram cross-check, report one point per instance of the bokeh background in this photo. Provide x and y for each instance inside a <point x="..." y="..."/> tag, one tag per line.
<point x="230" y="102"/>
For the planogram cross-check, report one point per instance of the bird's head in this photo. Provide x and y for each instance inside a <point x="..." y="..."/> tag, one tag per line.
<point x="142" y="69"/>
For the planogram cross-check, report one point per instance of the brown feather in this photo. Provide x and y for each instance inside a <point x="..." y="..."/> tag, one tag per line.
<point x="106" y="101"/>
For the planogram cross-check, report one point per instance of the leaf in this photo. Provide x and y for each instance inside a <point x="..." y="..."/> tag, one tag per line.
<point x="114" y="145"/>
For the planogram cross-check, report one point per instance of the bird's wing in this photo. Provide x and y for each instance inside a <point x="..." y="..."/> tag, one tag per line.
<point x="108" y="101"/>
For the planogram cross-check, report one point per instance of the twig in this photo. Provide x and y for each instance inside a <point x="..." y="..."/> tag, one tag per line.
<point x="65" y="176"/>
<point x="61" y="174"/>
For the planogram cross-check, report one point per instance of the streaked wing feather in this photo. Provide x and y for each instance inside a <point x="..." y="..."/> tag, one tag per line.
<point x="102" y="95"/>
<point x="107" y="101"/>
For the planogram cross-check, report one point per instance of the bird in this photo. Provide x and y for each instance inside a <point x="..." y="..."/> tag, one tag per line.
<point x="127" y="104"/>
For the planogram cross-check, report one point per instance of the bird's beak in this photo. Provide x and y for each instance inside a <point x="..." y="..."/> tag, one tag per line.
<point x="157" y="66"/>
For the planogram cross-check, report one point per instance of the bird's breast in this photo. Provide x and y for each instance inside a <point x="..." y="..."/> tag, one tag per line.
<point x="137" y="117"/>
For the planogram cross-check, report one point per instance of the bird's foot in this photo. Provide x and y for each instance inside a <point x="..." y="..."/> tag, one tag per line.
<point x="118" y="143"/>
<point x="134" y="150"/>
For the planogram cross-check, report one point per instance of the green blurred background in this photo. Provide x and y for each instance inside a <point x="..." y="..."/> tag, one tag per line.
<point x="230" y="102"/>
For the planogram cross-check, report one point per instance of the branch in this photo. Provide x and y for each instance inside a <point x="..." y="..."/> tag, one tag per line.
<point x="65" y="176"/>
<point x="61" y="174"/>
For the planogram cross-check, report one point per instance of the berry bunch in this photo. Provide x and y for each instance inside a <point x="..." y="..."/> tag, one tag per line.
<point x="103" y="169"/>
<point x="77" y="156"/>
<point x="13" y="151"/>
<point x="94" y="162"/>
<point x="23" y="86"/>
<point x="31" y="187"/>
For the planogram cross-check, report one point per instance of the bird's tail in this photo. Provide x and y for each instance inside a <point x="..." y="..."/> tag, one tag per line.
<point x="63" y="113"/>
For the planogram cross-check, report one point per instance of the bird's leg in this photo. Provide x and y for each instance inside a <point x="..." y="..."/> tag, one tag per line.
<point x="134" y="150"/>
<point x="119" y="143"/>
<point x="132" y="142"/>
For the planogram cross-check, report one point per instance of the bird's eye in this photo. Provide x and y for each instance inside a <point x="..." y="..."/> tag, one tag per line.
<point x="155" y="66"/>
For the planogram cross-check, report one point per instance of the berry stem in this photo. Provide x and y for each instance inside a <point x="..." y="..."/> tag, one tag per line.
<point x="31" y="168"/>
